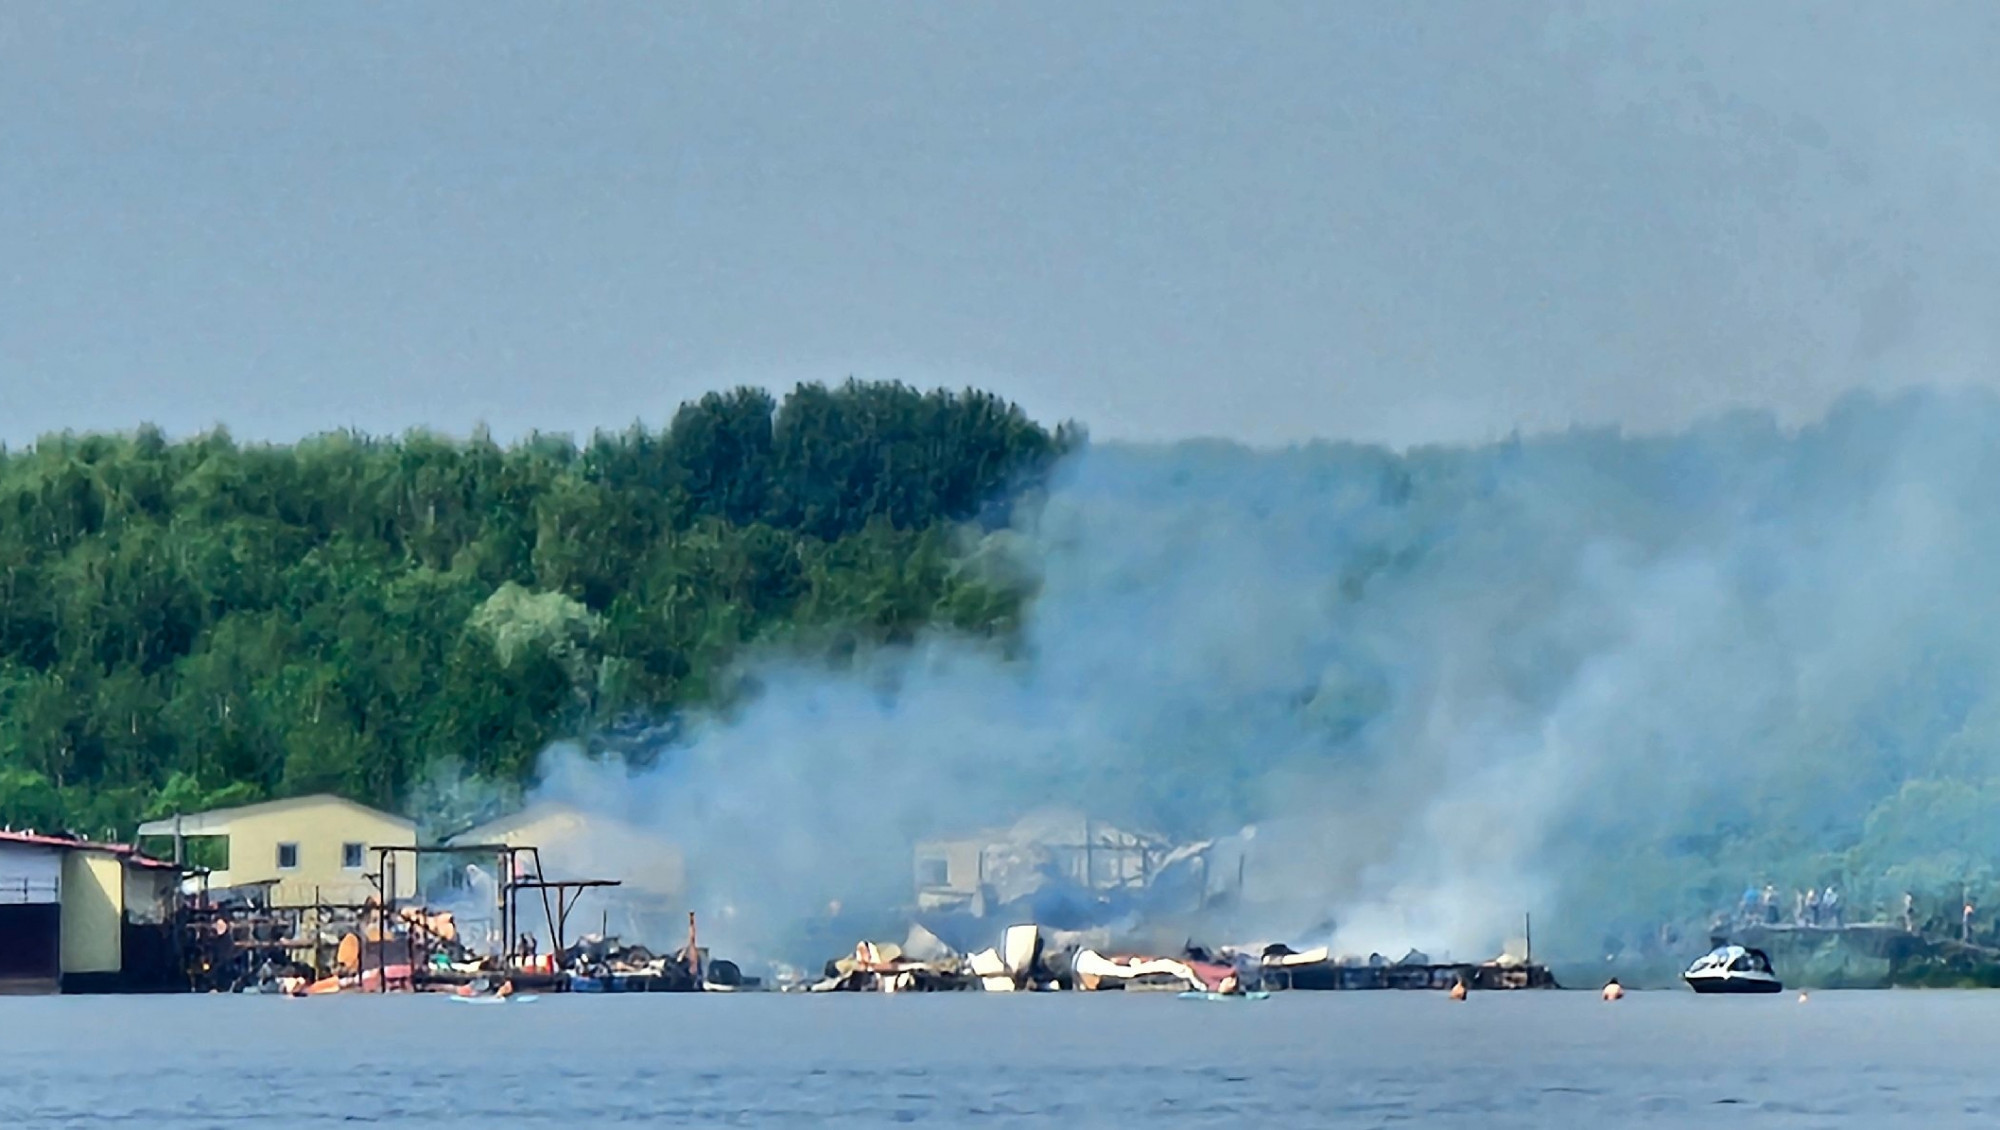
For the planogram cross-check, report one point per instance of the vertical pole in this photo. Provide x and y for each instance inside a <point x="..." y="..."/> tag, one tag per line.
<point x="694" y="958"/>
<point x="1528" y="930"/>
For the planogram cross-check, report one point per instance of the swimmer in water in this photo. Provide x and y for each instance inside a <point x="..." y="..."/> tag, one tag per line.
<point x="1458" y="991"/>
<point x="1613" y="990"/>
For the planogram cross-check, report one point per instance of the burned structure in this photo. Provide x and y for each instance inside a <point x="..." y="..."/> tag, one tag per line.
<point x="1032" y="959"/>
<point x="1066" y="871"/>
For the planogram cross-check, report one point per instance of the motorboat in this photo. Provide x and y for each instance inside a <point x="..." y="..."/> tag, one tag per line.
<point x="1733" y="969"/>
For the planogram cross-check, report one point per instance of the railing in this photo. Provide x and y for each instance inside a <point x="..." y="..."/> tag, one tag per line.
<point x="20" y="890"/>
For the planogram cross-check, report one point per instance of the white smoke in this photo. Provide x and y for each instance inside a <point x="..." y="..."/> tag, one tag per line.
<point x="1451" y="686"/>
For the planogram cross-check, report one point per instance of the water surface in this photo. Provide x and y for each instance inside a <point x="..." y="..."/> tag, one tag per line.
<point x="1083" y="1060"/>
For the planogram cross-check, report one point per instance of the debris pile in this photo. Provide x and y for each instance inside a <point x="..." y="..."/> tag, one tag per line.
<point x="924" y="964"/>
<point x="598" y="964"/>
<point x="1031" y="959"/>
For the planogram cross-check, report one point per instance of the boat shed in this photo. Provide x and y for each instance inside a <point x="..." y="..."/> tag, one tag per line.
<point x="80" y="917"/>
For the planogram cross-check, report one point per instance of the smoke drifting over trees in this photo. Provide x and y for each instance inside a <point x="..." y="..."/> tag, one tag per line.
<point x="1606" y="678"/>
<point x="1609" y="678"/>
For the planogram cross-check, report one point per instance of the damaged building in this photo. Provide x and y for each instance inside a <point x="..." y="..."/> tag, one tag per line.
<point x="1068" y="871"/>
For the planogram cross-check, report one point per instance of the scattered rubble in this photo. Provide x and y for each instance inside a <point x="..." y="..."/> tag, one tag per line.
<point x="1026" y="961"/>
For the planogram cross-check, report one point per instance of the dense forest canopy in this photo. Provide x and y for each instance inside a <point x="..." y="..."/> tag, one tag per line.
<point x="200" y="622"/>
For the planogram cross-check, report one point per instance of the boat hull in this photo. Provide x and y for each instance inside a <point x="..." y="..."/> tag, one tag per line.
<point x="1733" y="986"/>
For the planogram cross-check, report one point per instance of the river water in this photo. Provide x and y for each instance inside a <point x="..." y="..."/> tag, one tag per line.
<point x="1664" y="1058"/>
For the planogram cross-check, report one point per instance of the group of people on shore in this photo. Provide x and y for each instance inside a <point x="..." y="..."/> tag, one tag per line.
<point x="1811" y="907"/>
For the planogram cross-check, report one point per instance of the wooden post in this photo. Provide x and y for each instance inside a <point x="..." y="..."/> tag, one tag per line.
<point x="694" y="955"/>
<point x="1089" y="877"/>
<point x="1528" y="932"/>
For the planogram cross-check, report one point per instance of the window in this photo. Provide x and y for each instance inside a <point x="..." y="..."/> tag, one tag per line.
<point x="350" y="856"/>
<point x="211" y="852"/>
<point x="288" y="857"/>
<point x="933" y="871"/>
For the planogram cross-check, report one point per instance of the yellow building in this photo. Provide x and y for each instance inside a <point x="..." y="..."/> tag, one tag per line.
<point x="309" y="849"/>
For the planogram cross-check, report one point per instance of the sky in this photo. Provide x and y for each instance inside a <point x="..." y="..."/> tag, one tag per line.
<point x="1403" y="223"/>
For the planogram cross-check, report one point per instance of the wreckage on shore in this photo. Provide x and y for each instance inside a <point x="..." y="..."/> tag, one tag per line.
<point x="1030" y="959"/>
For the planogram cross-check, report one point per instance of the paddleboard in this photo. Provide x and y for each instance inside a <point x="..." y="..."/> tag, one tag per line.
<point x="1256" y="996"/>
<point x="518" y="998"/>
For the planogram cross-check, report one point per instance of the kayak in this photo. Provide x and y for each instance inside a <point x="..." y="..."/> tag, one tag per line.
<point x="518" y="998"/>
<point x="1256" y="996"/>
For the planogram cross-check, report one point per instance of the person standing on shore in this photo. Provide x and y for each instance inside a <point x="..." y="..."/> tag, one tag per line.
<point x="1909" y="913"/>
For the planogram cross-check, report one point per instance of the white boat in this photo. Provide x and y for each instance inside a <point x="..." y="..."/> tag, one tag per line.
<point x="1733" y="969"/>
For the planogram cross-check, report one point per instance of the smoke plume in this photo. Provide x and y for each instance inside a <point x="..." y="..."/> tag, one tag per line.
<point x="1604" y="678"/>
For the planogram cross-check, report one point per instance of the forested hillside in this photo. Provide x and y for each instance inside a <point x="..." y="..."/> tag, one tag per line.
<point x="199" y="622"/>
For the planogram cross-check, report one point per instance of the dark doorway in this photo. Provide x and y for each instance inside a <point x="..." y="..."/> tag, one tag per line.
<point x="30" y="947"/>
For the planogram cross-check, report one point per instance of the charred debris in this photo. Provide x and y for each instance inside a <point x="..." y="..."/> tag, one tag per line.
<point x="1031" y="959"/>
<point x="1055" y="902"/>
<point x="1089" y="901"/>
<point x="239" y="940"/>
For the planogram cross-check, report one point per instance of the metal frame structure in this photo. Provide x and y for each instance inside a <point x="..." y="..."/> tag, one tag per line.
<point x="507" y="907"/>
<point x="567" y="891"/>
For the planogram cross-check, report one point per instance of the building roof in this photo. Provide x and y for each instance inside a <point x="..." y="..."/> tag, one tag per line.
<point x="497" y="829"/>
<point x="216" y="822"/>
<point x="131" y="854"/>
<point x="38" y="840"/>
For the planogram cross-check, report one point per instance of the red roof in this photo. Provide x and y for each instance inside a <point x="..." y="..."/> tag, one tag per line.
<point x="130" y="852"/>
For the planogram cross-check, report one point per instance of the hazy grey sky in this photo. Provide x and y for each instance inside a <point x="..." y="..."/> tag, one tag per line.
<point x="1268" y="221"/>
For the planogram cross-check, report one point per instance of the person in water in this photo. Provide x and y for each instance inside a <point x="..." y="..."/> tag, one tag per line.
<point x="1230" y="986"/>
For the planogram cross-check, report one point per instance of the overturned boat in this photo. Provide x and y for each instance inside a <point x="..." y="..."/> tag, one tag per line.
<point x="1733" y="969"/>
